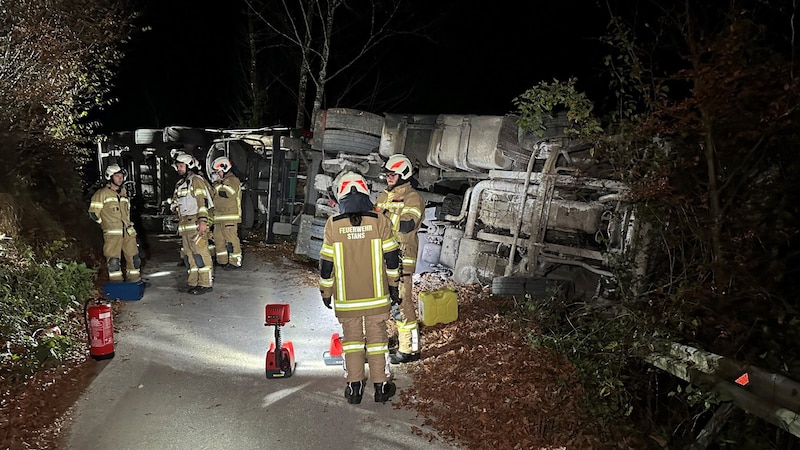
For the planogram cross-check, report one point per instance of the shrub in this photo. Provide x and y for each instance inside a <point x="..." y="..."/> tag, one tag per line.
<point x="35" y="299"/>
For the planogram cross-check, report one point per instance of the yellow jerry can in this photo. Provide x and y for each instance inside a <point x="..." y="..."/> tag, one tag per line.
<point x="439" y="306"/>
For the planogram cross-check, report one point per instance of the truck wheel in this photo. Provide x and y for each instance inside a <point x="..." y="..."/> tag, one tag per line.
<point x="248" y="212"/>
<point x="144" y="136"/>
<point x="537" y="287"/>
<point x="355" y="120"/>
<point x="314" y="247"/>
<point x="350" y="141"/>
<point x="318" y="228"/>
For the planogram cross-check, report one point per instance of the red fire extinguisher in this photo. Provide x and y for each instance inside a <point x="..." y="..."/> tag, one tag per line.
<point x="99" y="328"/>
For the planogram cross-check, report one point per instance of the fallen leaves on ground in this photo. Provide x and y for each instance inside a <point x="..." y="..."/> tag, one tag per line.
<point x="32" y="411"/>
<point x="478" y="385"/>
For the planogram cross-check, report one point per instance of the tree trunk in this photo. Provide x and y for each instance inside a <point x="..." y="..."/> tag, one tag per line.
<point x="717" y="259"/>
<point x="256" y="115"/>
<point x="323" y="64"/>
<point x="305" y="69"/>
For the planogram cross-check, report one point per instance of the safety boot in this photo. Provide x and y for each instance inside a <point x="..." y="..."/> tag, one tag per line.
<point x="384" y="391"/>
<point x="200" y="290"/>
<point x="354" y="391"/>
<point x="402" y="358"/>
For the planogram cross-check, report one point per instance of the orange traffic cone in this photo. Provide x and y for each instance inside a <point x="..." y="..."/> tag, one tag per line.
<point x="334" y="356"/>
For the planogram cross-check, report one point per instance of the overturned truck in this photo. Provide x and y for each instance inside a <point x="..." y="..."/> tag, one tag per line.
<point x="507" y="208"/>
<point x="267" y="161"/>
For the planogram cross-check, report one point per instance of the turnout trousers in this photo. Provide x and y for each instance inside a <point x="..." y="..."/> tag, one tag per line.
<point x="365" y="339"/>
<point x="117" y="245"/>
<point x="195" y="253"/>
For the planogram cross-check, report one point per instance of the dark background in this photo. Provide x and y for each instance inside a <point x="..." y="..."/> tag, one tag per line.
<point x="475" y="57"/>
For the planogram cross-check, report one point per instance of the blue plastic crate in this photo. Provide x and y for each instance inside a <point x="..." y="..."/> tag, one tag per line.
<point x="126" y="291"/>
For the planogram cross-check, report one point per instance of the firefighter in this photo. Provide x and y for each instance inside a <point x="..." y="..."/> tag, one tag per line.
<point x="110" y="207"/>
<point x="359" y="270"/>
<point x="404" y="206"/>
<point x="192" y="201"/>
<point x="227" y="192"/>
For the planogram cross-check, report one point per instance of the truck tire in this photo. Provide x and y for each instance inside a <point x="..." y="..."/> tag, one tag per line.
<point x="186" y="135"/>
<point x="248" y="211"/>
<point x="314" y="247"/>
<point x="350" y="141"/>
<point x="536" y="287"/>
<point x="355" y="120"/>
<point x="318" y="228"/>
<point x="144" y="136"/>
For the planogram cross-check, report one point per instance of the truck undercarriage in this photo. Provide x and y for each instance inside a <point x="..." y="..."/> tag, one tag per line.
<point x="523" y="213"/>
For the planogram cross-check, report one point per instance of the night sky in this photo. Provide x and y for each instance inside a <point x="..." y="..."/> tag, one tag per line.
<point x="187" y="69"/>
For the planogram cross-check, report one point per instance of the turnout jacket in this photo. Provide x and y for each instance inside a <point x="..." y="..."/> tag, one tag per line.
<point x="404" y="207"/>
<point x="192" y="200"/>
<point x="358" y="264"/>
<point x="111" y="210"/>
<point x="227" y="199"/>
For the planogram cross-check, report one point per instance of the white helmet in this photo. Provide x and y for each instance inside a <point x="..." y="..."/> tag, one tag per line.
<point x="346" y="182"/>
<point x="114" y="169"/>
<point x="400" y="165"/>
<point x="222" y="163"/>
<point x="185" y="158"/>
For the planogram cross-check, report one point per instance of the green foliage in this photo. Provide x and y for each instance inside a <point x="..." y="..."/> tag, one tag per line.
<point x="602" y="347"/>
<point x="58" y="59"/>
<point x="705" y="109"/>
<point x="545" y="99"/>
<point x="37" y="296"/>
<point x="57" y="62"/>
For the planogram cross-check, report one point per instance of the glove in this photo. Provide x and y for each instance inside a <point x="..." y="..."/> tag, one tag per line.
<point x="327" y="302"/>
<point x="394" y="294"/>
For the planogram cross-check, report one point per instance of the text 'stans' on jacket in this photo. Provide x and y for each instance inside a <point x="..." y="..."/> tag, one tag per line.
<point x="228" y="199"/>
<point x="361" y="274"/>
<point x="111" y="209"/>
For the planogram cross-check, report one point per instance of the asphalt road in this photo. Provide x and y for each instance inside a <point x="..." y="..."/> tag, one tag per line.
<point x="189" y="371"/>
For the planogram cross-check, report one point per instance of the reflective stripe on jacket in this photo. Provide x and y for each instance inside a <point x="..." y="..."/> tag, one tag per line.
<point x="111" y="210"/>
<point x="192" y="196"/>
<point x="401" y="204"/>
<point x="228" y="208"/>
<point x="360" y="278"/>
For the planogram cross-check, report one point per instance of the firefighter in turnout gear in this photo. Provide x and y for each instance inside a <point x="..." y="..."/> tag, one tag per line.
<point x="404" y="206"/>
<point x="227" y="191"/>
<point x="192" y="202"/>
<point x="111" y="209"/>
<point x="359" y="270"/>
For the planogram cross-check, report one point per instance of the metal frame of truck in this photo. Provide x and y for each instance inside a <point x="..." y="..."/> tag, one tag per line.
<point x="507" y="208"/>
